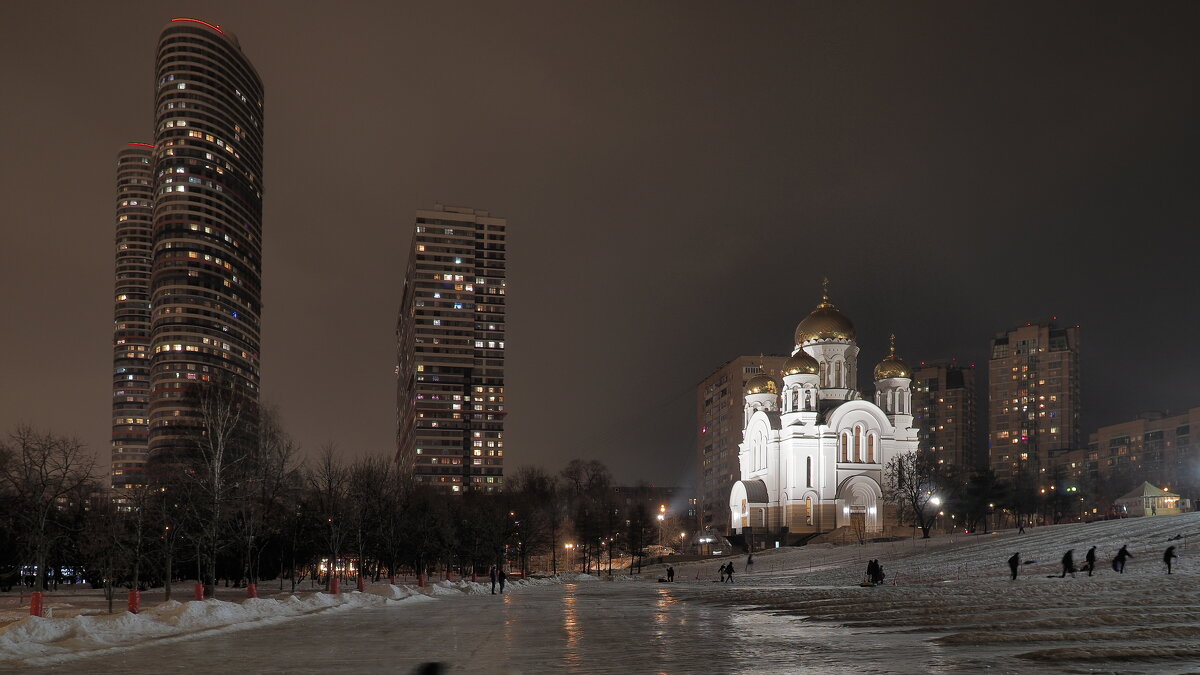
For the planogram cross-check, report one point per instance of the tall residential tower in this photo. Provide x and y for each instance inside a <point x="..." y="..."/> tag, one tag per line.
<point x="450" y="352"/>
<point x="944" y="412"/>
<point x="1033" y="397"/>
<point x="204" y="246"/>
<point x="131" y="315"/>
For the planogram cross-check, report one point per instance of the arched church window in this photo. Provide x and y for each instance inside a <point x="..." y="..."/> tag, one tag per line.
<point x="837" y="374"/>
<point x="808" y="511"/>
<point x="844" y="441"/>
<point x="824" y="374"/>
<point x="808" y="471"/>
<point x="858" y="444"/>
<point x="808" y="399"/>
<point x="871" y="448"/>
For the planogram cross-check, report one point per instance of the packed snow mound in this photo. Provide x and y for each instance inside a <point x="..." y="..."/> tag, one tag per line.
<point x="53" y="640"/>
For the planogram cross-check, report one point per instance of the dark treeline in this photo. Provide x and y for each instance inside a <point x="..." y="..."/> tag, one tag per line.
<point x="244" y="512"/>
<point x="920" y="488"/>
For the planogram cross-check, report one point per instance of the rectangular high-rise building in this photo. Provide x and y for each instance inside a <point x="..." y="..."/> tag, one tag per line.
<point x="720" y="410"/>
<point x="944" y="412"/>
<point x="1033" y="397"/>
<point x="450" y="352"/>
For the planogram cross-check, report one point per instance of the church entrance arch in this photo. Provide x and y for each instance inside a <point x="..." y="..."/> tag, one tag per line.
<point x="859" y="498"/>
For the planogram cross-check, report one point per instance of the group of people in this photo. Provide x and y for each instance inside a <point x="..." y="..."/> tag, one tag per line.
<point x="875" y="573"/>
<point x="727" y="572"/>
<point x="498" y="575"/>
<point x="1068" y="561"/>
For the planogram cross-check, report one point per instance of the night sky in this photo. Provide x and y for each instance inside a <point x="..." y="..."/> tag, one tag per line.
<point x="678" y="176"/>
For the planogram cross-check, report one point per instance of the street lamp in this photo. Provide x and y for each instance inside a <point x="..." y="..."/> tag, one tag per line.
<point x="569" y="547"/>
<point x="661" y="517"/>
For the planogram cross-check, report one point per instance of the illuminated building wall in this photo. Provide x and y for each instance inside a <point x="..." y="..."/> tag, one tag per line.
<point x="720" y="404"/>
<point x="207" y="258"/>
<point x="131" y="316"/>
<point x="450" y="352"/>
<point x="1033" y="397"/>
<point x="944" y="412"/>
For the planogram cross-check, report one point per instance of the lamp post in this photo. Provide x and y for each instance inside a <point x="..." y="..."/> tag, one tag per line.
<point x="661" y="518"/>
<point x="567" y="556"/>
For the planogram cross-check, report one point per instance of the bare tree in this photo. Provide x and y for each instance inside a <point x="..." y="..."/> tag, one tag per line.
<point x="910" y="479"/>
<point x="42" y="472"/>
<point x="267" y="473"/>
<point x="220" y="447"/>
<point x="328" y="486"/>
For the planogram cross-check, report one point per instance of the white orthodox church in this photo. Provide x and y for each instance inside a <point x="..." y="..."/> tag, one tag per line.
<point x="813" y="451"/>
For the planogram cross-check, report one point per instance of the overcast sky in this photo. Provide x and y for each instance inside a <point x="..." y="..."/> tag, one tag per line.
<point x="677" y="176"/>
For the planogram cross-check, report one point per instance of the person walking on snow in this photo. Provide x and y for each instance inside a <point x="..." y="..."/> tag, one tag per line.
<point x="1068" y="563"/>
<point x="493" y="575"/>
<point x="1168" y="556"/>
<point x="1014" y="563"/>
<point x="872" y="571"/>
<point x="722" y="570"/>
<point x="670" y="573"/>
<point x="1118" y="563"/>
<point x="729" y="572"/>
<point x="1021" y="527"/>
<point x="1090" y="560"/>
<point x="749" y="563"/>
<point x="503" y="578"/>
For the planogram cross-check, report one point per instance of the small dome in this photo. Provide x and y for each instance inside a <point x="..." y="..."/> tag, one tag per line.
<point x="892" y="365"/>
<point x="762" y="384"/>
<point x="801" y="363"/>
<point x="826" y="322"/>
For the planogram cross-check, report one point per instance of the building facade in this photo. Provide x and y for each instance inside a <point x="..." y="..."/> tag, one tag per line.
<point x="944" y="411"/>
<point x="450" y="352"/>
<point x="1157" y="447"/>
<point x="720" y="401"/>
<point x="131" y="315"/>
<point x="1033" y="397"/>
<point x="189" y="251"/>
<point x="813" y="451"/>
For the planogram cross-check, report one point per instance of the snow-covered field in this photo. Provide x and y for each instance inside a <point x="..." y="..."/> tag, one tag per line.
<point x="948" y="605"/>
<point x="952" y="597"/>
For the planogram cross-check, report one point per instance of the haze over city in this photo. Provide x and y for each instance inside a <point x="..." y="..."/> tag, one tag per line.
<point x="677" y="179"/>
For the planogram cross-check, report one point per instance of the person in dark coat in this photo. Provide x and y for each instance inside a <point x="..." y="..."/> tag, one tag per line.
<point x="503" y="578"/>
<point x="1119" y="561"/>
<point x="879" y="575"/>
<point x="1068" y="563"/>
<point x="493" y="575"/>
<point x="729" y="572"/>
<point x="871" y="571"/>
<point x="1014" y="563"/>
<point x="1168" y="556"/>
<point x="670" y="573"/>
<point x="722" y="570"/>
<point x="1090" y="560"/>
<point x="1021" y="527"/>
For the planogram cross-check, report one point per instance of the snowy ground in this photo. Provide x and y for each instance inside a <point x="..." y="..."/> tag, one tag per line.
<point x="951" y="608"/>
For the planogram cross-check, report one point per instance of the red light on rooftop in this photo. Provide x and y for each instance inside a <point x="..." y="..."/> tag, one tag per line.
<point x="203" y="23"/>
<point x="144" y="145"/>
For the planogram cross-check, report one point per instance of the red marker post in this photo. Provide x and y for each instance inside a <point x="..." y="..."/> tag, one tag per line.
<point x="251" y="590"/>
<point x="135" y="601"/>
<point x="335" y="586"/>
<point x="35" y="604"/>
<point x="199" y="591"/>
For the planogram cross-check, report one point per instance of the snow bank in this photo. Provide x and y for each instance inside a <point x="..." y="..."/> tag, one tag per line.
<point x="38" y="640"/>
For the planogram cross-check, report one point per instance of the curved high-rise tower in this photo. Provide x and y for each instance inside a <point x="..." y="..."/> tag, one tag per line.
<point x="205" y="288"/>
<point x="131" y="314"/>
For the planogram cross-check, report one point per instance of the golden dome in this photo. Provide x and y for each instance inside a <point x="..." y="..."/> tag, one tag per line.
<point x="801" y="363"/>
<point x="762" y="384"/>
<point x="892" y="365"/>
<point x="825" y="323"/>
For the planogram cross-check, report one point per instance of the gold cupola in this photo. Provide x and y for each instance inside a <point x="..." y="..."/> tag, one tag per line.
<point x="761" y="384"/>
<point x="826" y="322"/>
<point x="801" y="363"/>
<point x="892" y="365"/>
